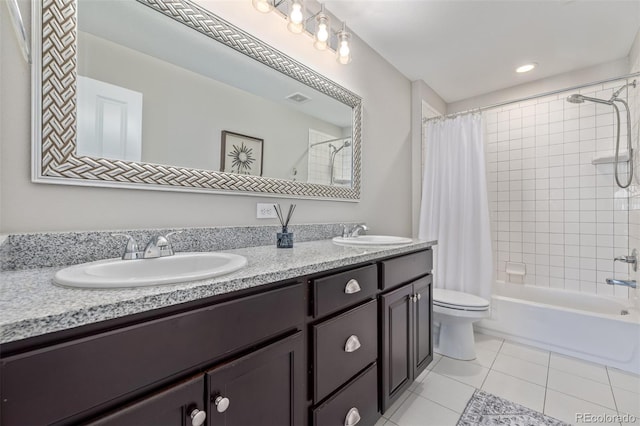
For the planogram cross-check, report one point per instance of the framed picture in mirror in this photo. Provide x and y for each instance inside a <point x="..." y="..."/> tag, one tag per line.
<point x="241" y="154"/>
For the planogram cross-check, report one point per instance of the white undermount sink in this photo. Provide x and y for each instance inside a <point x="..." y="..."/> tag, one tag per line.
<point x="371" y="240"/>
<point x="118" y="273"/>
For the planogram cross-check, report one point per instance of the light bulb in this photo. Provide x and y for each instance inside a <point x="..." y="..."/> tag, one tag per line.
<point x="322" y="32"/>
<point x="264" y="6"/>
<point x="296" y="18"/>
<point x="296" y="13"/>
<point x="344" y="50"/>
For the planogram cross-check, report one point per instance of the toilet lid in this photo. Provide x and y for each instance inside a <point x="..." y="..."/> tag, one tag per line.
<point x="459" y="300"/>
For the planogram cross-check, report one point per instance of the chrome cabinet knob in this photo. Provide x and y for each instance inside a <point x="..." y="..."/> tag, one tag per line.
<point x="221" y="404"/>
<point x="413" y="298"/>
<point x="352" y="418"/>
<point x="353" y="344"/>
<point x="198" y="417"/>
<point x="419" y="296"/>
<point x="353" y="286"/>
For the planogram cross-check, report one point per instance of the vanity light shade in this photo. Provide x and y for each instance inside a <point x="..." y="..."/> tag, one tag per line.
<point x="296" y="18"/>
<point x="323" y="28"/>
<point x="343" y="51"/>
<point x="264" y="6"/>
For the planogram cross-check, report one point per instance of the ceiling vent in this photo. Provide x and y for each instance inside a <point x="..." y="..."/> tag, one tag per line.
<point x="298" y="98"/>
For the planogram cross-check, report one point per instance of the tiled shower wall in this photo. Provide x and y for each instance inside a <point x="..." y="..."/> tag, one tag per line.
<point x="320" y="160"/>
<point x="551" y="208"/>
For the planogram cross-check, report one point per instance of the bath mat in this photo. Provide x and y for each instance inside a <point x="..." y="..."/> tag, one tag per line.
<point x="487" y="409"/>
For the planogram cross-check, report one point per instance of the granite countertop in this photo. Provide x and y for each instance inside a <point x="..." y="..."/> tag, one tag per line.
<point x="31" y="305"/>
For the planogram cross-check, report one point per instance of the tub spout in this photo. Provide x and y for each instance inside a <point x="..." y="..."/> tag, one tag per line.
<point x="626" y="283"/>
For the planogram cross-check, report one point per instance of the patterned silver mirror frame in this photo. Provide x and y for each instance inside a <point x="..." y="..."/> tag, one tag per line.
<point x="54" y="111"/>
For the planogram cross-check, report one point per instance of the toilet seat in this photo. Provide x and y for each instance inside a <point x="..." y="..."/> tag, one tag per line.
<point x="457" y="300"/>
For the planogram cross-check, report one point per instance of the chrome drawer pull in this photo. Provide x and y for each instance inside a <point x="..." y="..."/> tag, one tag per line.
<point x="353" y="417"/>
<point x="353" y="286"/>
<point x="353" y="344"/>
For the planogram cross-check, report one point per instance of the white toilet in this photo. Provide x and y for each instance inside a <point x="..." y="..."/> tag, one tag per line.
<point x="456" y="312"/>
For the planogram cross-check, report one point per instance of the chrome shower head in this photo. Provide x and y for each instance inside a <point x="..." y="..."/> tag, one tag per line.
<point x="347" y="143"/>
<point x="575" y="99"/>
<point x="578" y="99"/>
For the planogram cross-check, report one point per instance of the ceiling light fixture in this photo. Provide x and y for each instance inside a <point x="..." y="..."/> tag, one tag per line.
<point x="312" y="18"/>
<point x="296" y="17"/>
<point x="526" y="67"/>
<point x="323" y="26"/>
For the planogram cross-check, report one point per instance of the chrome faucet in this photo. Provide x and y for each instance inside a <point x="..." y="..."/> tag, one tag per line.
<point x="632" y="259"/>
<point x="355" y="231"/>
<point x="159" y="246"/>
<point x="131" y="250"/>
<point x="626" y="283"/>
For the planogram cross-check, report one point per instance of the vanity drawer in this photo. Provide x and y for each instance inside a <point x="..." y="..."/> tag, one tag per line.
<point x="361" y="395"/>
<point x="403" y="269"/>
<point x="343" y="346"/>
<point x="116" y="365"/>
<point x="341" y="290"/>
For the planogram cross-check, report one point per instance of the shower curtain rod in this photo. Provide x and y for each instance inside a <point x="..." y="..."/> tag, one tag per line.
<point x="528" y="98"/>
<point x="327" y="141"/>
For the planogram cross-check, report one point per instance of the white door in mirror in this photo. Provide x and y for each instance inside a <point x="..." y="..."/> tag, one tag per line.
<point x="118" y="273"/>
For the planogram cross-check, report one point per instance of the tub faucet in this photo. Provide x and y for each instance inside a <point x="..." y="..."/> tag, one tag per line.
<point x="159" y="246"/>
<point x="626" y="283"/>
<point x="632" y="259"/>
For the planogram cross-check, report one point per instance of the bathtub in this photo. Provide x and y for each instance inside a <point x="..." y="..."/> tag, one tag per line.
<point x="584" y="326"/>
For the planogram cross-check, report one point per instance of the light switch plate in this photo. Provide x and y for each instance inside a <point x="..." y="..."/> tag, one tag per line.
<point x="266" y="211"/>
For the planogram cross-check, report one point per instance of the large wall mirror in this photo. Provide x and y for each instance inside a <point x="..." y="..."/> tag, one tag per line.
<point x="163" y="94"/>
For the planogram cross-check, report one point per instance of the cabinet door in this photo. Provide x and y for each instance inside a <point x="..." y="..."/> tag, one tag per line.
<point x="170" y="407"/>
<point x="397" y="350"/>
<point x="265" y="387"/>
<point x="423" y="349"/>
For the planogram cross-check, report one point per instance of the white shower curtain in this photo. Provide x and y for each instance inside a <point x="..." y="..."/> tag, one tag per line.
<point x="454" y="208"/>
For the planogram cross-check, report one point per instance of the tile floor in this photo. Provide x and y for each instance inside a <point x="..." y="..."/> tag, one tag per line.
<point x="550" y="383"/>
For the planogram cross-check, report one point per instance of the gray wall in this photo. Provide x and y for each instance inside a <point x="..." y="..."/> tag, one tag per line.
<point x="29" y="207"/>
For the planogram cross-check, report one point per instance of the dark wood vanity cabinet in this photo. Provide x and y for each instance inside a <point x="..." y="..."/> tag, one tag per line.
<point x="137" y="365"/>
<point x="344" y="349"/>
<point x="406" y="344"/>
<point x="327" y="349"/>
<point x="262" y="388"/>
<point x="173" y="406"/>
